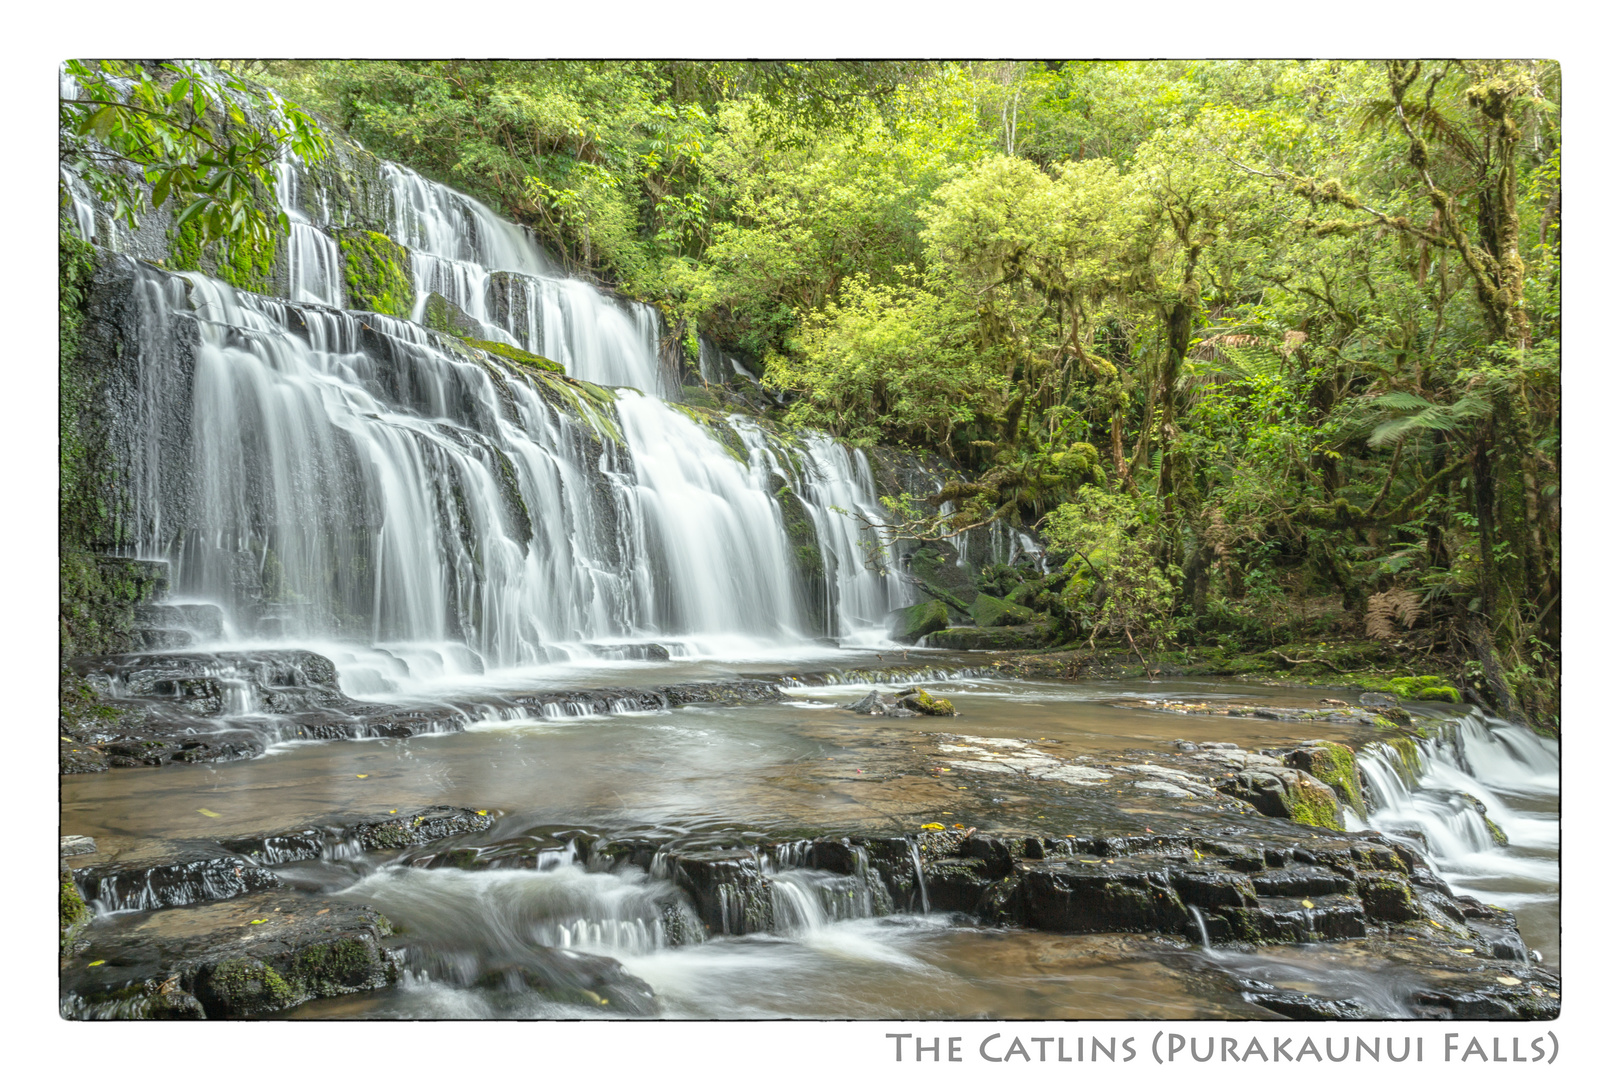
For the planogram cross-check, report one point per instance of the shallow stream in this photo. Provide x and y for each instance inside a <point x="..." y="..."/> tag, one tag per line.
<point x="805" y="766"/>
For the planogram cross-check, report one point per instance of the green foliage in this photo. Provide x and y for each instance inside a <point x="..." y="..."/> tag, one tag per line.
<point x="1256" y="340"/>
<point x="1116" y="583"/>
<point x="202" y="137"/>
<point x="886" y="363"/>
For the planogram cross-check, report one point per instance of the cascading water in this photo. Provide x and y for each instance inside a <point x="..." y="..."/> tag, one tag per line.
<point x="1482" y="801"/>
<point x="314" y="262"/>
<point x="326" y="476"/>
<point x="495" y="272"/>
<point x="834" y="485"/>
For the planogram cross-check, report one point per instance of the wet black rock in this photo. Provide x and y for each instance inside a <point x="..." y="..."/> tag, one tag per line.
<point x="171" y="882"/>
<point x="242" y="957"/>
<point x="729" y="888"/>
<point x="1092" y="897"/>
<point x="406" y="828"/>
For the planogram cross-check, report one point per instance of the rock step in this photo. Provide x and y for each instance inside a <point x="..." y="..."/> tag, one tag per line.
<point x="241" y="957"/>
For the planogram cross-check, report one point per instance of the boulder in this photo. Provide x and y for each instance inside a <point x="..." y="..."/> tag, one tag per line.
<point x="915" y="622"/>
<point x="1278" y="791"/>
<point x="989" y="611"/>
<point x="247" y="956"/>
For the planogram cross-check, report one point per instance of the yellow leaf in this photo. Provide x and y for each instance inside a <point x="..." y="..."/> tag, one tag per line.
<point x="1465" y="950"/>
<point x="393" y="811"/>
<point x="1306" y="903"/>
<point x="256" y="922"/>
<point x="933" y="825"/>
<point x="483" y="813"/>
<point x="1507" y="980"/>
<point x="97" y="963"/>
<point x="206" y="813"/>
<point x="361" y="775"/>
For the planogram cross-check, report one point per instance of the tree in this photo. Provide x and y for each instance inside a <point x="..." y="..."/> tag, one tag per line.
<point x="201" y="137"/>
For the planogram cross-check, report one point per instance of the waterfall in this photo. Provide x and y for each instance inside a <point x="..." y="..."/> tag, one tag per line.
<point x="495" y="272"/>
<point x="1445" y="793"/>
<point x="355" y="483"/>
<point x="836" y="488"/>
<point x="314" y="263"/>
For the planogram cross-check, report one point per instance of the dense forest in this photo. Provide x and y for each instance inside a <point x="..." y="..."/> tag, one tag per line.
<point x="1266" y="351"/>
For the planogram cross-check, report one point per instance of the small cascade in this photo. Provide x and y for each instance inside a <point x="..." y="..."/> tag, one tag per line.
<point x="1480" y="799"/>
<point x="1198" y="921"/>
<point x="495" y="272"/>
<point x="564" y="906"/>
<point x="314" y="261"/>
<point x="922" y="881"/>
<point x="835" y="487"/>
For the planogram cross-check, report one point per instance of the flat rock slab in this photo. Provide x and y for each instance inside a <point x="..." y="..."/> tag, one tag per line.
<point x="247" y="956"/>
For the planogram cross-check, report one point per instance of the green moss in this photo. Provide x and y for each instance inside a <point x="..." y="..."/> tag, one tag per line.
<point x="928" y="617"/>
<point x="377" y="273"/>
<point x="97" y="601"/>
<point x="989" y="611"/>
<point x="516" y="355"/>
<point x="245" y="985"/>
<point x="71" y="908"/>
<point x="700" y="397"/>
<point x="1335" y="765"/>
<point x="1425" y="688"/>
<point x="926" y="703"/>
<point x="1313" y="806"/>
<point x="336" y="968"/>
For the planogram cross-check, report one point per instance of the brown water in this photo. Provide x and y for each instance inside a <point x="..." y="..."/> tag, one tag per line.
<point x="802" y="766"/>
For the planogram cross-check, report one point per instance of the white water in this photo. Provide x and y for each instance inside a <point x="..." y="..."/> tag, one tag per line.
<point x="314" y="261"/>
<point x="336" y="480"/>
<point x="1491" y="768"/>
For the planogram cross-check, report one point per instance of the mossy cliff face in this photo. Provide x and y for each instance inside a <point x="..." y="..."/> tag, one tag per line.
<point x="377" y="273"/>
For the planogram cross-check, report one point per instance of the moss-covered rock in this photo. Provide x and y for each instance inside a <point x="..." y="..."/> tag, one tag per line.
<point x="73" y="911"/>
<point x="1425" y="688"/>
<point x="989" y="611"/>
<point x="1335" y="765"/>
<point x="918" y="620"/>
<point x="377" y="273"/>
<point x="441" y="314"/>
<point x="516" y="355"/>
<point x="933" y="566"/>
<point x="249" y="265"/>
<point x="924" y="702"/>
<point x="1032" y="635"/>
<point x="1286" y="793"/>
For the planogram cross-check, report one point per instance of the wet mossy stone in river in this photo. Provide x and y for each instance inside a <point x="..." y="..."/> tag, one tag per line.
<point x="1335" y="765"/>
<point x="74" y="912"/>
<point x="1286" y="793"/>
<point x="989" y="611"/>
<point x="922" y="619"/>
<point x="242" y="957"/>
<point x="377" y="273"/>
<point x="922" y="701"/>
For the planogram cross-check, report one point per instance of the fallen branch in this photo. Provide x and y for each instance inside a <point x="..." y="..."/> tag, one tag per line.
<point x="1308" y="660"/>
